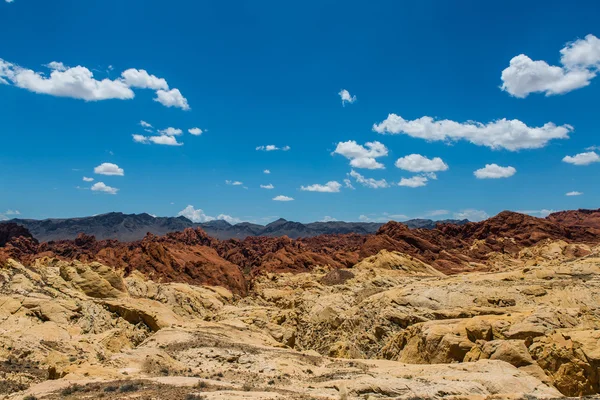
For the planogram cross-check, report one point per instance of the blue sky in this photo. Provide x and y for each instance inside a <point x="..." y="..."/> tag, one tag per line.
<point x="270" y="73"/>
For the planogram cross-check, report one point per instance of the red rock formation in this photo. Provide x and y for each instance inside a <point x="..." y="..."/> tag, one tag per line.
<point x="192" y="256"/>
<point x="177" y="257"/>
<point x="585" y="218"/>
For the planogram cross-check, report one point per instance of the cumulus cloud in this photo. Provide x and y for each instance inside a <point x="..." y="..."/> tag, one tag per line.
<point x="506" y="134"/>
<point x="346" y="97"/>
<point x="348" y="184"/>
<point x="580" y="61"/>
<point x="327" y="218"/>
<point x="419" y="163"/>
<point x="573" y="193"/>
<point x="165" y="140"/>
<point x="198" y="215"/>
<point x="266" y="171"/>
<point x="415" y="181"/>
<point x="494" y="171"/>
<point x="172" y="98"/>
<point x="582" y="158"/>
<point x="170" y="131"/>
<point x="195" y="131"/>
<point x="362" y="156"/>
<point x="86" y="179"/>
<point x="282" y="198"/>
<point x="109" y="169"/>
<point x="269" y="186"/>
<point x="272" y="147"/>
<point x="329" y="187"/>
<point x="234" y="183"/>
<point x="471" y="214"/>
<point x="139" y="78"/>
<point x="79" y="83"/>
<point x="369" y="182"/>
<point x="101" y="187"/>
<point x="145" y="124"/>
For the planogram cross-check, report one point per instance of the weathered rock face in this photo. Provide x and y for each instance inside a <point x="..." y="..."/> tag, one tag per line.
<point x="177" y="257"/>
<point x="64" y="323"/>
<point x="582" y="218"/>
<point x="10" y="231"/>
<point x="193" y="257"/>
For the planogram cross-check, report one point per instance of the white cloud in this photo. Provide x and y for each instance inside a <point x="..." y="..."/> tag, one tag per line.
<point x="327" y="218"/>
<point x="9" y="1"/>
<point x="362" y="156"/>
<point x="369" y="182"/>
<point x="329" y="187"/>
<point x="197" y="215"/>
<point x="348" y="183"/>
<point x="165" y="140"/>
<point x="471" y="215"/>
<point x="364" y="218"/>
<point x="161" y="139"/>
<point x="79" y="83"/>
<point x="170" y="131"/>
<point x="145" y="124"/>
<point x="194" y="215"/>
<point x="109" y="169"/>
<point x="4" y="215"/>
<point x="346" y="98"/>
<point x="140" y="138"/>
<point x="580" y="61"/>
<point x="592" y="148"/>
<point x="54" y="65"/>
<point x="415" y="181"/>
<point x="574" y="193"/>
<point x="582" y="158"/>
<point x="501" y="134"/>
<point x="494" y="171"/>
<point x="234" y="183"/>
<point x="101" y="187"/>
<point x="266" y="171"/>
<point x="269" y="186"/>
<point x="228" y="218"/>
<point x="172" y="98"/>
<point x="282" y="198"/>
<point x="86" y="179"/>
<point x="195" y="131"/>
<point x="139" y="78"/>
<point x="419" y="163"/>
<point x="543" y="213"/>
<point x="272" y="147"/>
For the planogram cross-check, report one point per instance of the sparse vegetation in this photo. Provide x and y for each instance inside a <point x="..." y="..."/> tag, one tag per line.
<point x="71" y="389"/>
<point x="129" y="387"/>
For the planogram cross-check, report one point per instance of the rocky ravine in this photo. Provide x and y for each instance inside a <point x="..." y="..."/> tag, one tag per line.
<point x="391" y="326"/>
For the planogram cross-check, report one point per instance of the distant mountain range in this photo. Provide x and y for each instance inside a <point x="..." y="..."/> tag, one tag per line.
<point x="131" y="227"/>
